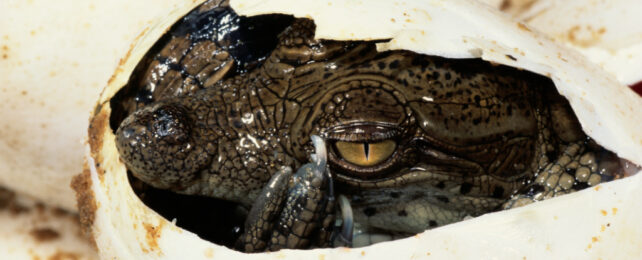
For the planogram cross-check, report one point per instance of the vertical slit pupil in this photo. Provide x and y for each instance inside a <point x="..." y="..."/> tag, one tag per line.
<point x="366" y="148"/>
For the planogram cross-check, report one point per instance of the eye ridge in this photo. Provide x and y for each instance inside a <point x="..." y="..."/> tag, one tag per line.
<point x="366" y="132"/>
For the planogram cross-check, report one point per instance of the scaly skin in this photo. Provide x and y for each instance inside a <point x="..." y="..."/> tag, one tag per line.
<point x="469" y="137"/>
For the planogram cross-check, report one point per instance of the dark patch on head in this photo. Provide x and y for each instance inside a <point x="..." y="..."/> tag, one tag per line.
<point x="477" y="99"/>
<point x="443" y="199"/>
<point x="381" y="65"/>
<point x="417" y="196"/>
<point x="432" y="223"/>
<point x="394" y="64"/>
<point x="498" y="192"/>
<point x="465" y="188"/>
<point x="250" y="39"/>
<point x="369" y="211"/>
<point x="551" y="154"/>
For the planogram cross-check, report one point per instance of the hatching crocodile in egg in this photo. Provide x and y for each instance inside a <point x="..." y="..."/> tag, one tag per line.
<point x="413" y="141"/>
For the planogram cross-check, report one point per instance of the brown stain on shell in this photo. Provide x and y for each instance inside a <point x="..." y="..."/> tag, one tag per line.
<point x="86" y="202"/>
<point x="585" y="36"/>
<point x="152" y="235"/>
<point x="523" y="27"/>
<point x="4" y="52"/>
<point x="97" y="126"/>
<point x="44" y="234"/>
<point x="64" y="255"/>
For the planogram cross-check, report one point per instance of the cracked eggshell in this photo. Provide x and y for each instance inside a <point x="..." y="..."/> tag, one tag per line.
<point x="607" y="32"/>
<point x="586" y="224"/>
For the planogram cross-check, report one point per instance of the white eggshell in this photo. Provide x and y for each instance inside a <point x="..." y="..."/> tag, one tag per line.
<point x="31" y="230"/>
<point x="607" y="32"/>
<point x="55" y="58"/>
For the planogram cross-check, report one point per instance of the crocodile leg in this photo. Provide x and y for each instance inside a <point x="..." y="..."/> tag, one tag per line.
<point x="577" y="167"/>
<point x="293" y="210"/>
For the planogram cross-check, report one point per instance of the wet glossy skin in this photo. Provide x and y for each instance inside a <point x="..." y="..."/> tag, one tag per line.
<point x="413" y="141"/>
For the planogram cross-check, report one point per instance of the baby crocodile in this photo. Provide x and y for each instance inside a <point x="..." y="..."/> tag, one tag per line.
<point x="414" y="141"/>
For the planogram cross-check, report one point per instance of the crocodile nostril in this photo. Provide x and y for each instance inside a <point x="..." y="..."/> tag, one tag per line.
<point x="170" y="124"/>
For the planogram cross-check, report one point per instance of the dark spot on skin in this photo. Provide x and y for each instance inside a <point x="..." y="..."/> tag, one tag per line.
<point x="447" y="76"/>
<point x="381" y="65"/>
<point x="476" y="121"/>
<point x="551" y="154"/>
<point x="580" y="185"/>
<point x="237" y="124"/>
<point x="402" y="213"/>
<point x="394" y="64"/>
<point x="441" y="185"/>
<point x="443" y="199"/>
<point x="498" y="192"/>
<point x="417" y="196"/>
<point x="395" y="195"/>
<point x="370" y="211"/>
<point x="465" y="188"/>
<point x="477" y="99"/>
<point x="368" y="91"/>
<point x="364" y="52"/>
<point x="410" y="73"/>
<point x="534" y="190"/>
<point x="432" y="223"/>
<point x="327" y="75"/>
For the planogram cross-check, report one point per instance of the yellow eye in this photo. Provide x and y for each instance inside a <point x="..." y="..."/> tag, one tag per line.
<point x="366" y="154"/>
